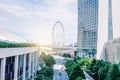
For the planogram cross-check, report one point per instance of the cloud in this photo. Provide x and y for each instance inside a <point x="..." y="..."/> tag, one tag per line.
<point x="31" y="19"/>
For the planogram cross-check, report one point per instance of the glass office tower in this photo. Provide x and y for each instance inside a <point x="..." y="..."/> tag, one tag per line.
<point x="87" y="26"/>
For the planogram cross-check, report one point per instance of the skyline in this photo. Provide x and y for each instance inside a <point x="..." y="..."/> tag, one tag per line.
<point x="22" y="16"/>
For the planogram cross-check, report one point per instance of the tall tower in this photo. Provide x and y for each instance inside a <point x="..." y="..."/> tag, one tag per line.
<point x="87" y="26"/>
<point x="110" y="26"/>
<point x="105" y="26"/>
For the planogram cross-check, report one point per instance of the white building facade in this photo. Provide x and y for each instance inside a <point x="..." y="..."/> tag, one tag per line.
<point x="18" y="63"/>
<point x="111" y="51"/>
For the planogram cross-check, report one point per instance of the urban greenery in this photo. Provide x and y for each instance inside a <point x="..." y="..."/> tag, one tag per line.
<point x="79" y="78"/>
<point x="102" y="70"/>
<point x="48" y="59"/>
<point x="46" y="72"/>
<point x="74" y="70"/>
<point x="12" y="45"/>
<point x="98" y="69"/>
<point x="66" y="55"/>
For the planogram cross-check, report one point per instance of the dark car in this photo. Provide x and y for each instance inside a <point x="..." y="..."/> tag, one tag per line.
<point x="59" y="72"/>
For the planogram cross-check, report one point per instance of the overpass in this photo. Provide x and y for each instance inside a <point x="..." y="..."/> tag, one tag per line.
<point x="57" y="50"/>
<point x="18" y="63"/>
<point x="11" y="37"/>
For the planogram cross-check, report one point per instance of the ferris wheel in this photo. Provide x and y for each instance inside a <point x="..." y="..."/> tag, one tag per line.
<point x="58" y="34"/>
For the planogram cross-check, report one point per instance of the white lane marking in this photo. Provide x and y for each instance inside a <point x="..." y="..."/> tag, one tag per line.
<point x="58" y="75"/>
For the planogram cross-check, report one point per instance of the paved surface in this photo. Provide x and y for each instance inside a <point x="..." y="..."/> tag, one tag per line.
<point x="88" y="77"/>
<point x="57" y="69"/>
<point x="63" y="76"/>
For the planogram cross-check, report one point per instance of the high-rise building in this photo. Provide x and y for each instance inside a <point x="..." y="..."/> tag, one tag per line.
<point x="87" y="26"/>
<point x="95" y="25"/>
<point x="105" y="25"/>
<point x="111" y="49"/>
<point x="110" y="27"/>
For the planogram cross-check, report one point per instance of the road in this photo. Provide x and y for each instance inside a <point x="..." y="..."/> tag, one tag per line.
<point x="88" y="77"/>
<point x="63" y="76"/>
<point x="57" y="69"/>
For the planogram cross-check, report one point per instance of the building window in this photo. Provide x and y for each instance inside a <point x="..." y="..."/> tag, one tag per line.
<point x="20" y="66"/>
<point x="9" y="68"/>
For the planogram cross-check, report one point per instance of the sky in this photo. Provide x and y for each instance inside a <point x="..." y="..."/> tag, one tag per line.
<point x="34" y="19"/>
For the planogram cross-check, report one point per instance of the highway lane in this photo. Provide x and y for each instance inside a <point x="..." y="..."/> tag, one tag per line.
<point x="58" y="69"/>
<point x="63" y="76"/>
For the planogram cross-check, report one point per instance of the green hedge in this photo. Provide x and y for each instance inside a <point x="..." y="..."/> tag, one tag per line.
<point x="4" y="44"/>
<point x="66" y="55"/>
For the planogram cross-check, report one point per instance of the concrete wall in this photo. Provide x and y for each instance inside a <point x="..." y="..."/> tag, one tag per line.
<point x="7" y="52"/>
<point x="33" y="57"/>
<point x="111" y="51"/>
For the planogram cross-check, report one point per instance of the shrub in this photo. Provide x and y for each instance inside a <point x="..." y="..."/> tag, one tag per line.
<point x="79" y="78"/>
<point x="42" y="77"/>
<point x="92" y="64"/>
<point x="46" y="72"/>
<point x="103" y="71"/>
<point x="49" y="72"/>
<point x="68" y="65"/>
<point x="76" y="72"/>
<point x="113" y="72"/>
<point x="4" y="44"/>
<point x="48" y="59"/>
<point x="66" y="55"/>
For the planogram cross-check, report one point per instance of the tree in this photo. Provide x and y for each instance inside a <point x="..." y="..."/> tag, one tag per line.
<point x="49" y="72"/>
<point x="84" y="61"/>
<point x="92" y="64"/>
<point x="118" y="78"/>
<point x="39" y="77"/>
<point x="45" y="73"/>
<point x="103" y="72"/>
<point x="43" y="56"/>
<point x="79" y="78"/>
<point x="99" y="63"/>
<point x="66" y="55"/>
<point x="49" y="60"/>
<point x="42" y="77"/>
<point x="70" y="68"/>
<point x="77" y="58"/>
<point x="76" y="72"/>
<point x="113" y="72"/>
<point x="69" y="65"/>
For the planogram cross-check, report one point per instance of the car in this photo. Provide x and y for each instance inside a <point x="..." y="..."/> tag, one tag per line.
<point x="59" y="72"/>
